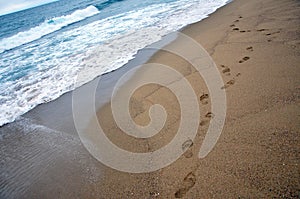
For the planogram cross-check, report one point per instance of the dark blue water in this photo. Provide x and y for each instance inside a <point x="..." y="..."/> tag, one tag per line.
<point x="24" y="20"/>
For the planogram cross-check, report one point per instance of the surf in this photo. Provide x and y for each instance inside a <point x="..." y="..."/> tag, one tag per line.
<point x="47" y="27"/>
<point x="43" y="70"/>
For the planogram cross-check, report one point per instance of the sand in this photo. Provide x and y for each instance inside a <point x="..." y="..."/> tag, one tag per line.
<point x="255" y="46"/>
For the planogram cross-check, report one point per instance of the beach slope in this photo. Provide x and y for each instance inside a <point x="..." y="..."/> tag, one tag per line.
<point x="256" y="48"/>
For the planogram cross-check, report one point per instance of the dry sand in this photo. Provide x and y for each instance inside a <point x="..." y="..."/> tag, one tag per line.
<point x="256" y="46"/>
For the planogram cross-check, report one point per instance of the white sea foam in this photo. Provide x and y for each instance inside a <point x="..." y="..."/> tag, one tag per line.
<point x="97" y="48"/>
<point x="46" y="28"/>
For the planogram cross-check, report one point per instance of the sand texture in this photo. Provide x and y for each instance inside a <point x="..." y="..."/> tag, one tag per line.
<point x="256" y="48"/>
<point x="255" y="45"/>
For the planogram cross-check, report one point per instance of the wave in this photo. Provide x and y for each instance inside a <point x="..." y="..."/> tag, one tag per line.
<point x="44" y="70"/>
<point x="45" y="28"/>
<point x="106" y="4"/>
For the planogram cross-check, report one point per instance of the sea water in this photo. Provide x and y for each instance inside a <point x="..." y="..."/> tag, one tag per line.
<point x="42" y="49"/>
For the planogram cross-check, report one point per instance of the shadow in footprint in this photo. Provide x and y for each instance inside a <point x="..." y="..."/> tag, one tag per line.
<point x="244" y="59"/>
<point x="188" y="182"/>
<point x="235" y="29"/>
<point x="262" y="30"/>
<point x="209" y="115"/>
<point x="204" y="122"/>
<point x="229" y="83"/>
<point x="268" y="34"/>
<point x="204" y="98"/>
<point x="226" y="70"/>
<point x="250" y="48"/>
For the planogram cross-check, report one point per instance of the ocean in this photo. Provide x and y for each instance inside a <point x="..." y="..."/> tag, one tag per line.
<point x="42" y="49"/>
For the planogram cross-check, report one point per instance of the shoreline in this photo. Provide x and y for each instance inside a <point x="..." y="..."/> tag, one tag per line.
<point x="40" y="112"/>
<point x="14" y="115"/>
<point x="256" y="155"/>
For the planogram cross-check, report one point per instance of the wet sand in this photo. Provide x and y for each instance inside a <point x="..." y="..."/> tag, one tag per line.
<point x="256" y="47"/>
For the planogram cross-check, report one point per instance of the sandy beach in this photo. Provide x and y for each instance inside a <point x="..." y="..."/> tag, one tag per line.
<point x="256" y="48"/>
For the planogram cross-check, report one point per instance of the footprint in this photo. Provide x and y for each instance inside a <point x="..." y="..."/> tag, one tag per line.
<point x="204" y="98"/>
<point x="203" y="122"/>
<point x="187" y="144"/>
<point x="188" y="182"/>
<point x="235" y="29"/>
<point x="232" y="25"/>
<point x="236" y="21"/>
<point x="248" y="30"/>
<point x="188" y="154"/>
<point x="242" y="31"/>
<point x="238" y="74"/>
<point x="269" y="40"/>
<point x="154" y="194"/>
<point x="268" y="34"/>
<point x="250" y="48"/>
<point x="229" y="83"/>
<point x="244" y="59"/>
<point x="186" y="147"/>
<point x="240" y="17"/>
<point x="261" y="30"/>
<point x="226" y="70"/>
<point x="209" y="115"/>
